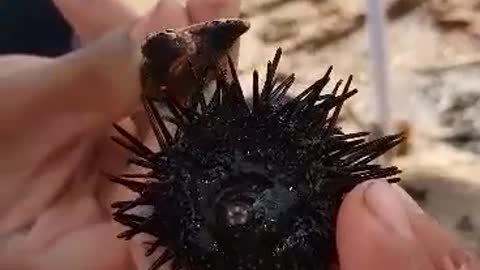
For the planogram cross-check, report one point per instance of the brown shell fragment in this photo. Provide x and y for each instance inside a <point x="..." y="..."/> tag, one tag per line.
<point x="171" y="55"/>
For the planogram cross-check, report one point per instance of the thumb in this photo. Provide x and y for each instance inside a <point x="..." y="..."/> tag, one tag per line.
<point x="103" y="77"/>
<point x="379" y="228"/>
<point x="439" y="244"/>
<point x="99" y="80"/>
<point x="88" y="17"/>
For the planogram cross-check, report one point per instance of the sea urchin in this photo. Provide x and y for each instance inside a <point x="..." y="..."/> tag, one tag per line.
<point x="249" y="187"/>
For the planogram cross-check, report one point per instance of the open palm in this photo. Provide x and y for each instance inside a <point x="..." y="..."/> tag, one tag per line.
<point x="56" y="117"/>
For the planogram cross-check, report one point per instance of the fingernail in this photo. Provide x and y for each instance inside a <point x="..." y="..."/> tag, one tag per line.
<point x="449" y="263"/>
<point x="464" y="260"/>
<point x="384" y="202"/>
<point x="410" y="203"/>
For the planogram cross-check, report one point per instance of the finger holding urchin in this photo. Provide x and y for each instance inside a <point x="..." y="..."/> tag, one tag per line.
<point x="207" y="10"/>
<point x="255" y="186"/>
<point x="374" y="231"/>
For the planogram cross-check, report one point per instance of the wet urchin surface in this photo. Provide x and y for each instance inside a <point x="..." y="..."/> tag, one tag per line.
<point x="249" y="187"/>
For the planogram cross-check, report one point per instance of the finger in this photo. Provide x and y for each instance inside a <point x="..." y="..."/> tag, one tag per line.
<point x="205" y="10"/>
<point x="373" y="232"/>
<point x="100" y="80"/>
<point x="76" y="252"/>
<point x="440" y="245"/>
<point x="166" y="14"/>
<point x="90" y="19"/>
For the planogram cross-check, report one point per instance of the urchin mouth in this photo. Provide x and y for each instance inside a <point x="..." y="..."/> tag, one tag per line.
<point x="235" y="207"/>
<point x="237" y="213"/>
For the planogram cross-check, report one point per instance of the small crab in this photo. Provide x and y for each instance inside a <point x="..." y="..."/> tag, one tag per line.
<point x="170" y="56"/>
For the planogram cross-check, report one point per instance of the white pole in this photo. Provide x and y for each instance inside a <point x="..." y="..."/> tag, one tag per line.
<point x="379" y="65"/>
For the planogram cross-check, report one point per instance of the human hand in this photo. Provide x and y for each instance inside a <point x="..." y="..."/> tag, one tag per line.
<point x="381" y="227"/>
<point x="56" y="117"/>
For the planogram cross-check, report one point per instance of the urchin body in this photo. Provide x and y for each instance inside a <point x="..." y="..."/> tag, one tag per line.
<point x="249" y="187"/>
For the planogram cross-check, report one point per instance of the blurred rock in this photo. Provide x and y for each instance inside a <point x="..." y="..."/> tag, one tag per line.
<point x="457" y="14"/>
<point x="465" y="224"/>
<point x="453" y="13"/>
<point x="399" y="8"/>
<point x="322" y="21"/>
<point x="279" y="29"/>
<point x="453" y="97"/>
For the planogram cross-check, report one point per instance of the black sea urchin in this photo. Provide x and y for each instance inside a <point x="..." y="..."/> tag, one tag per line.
<point x="246" y="188"/>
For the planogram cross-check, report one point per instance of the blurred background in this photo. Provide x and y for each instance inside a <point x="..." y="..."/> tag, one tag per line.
<point x="33" y="27"/>
<point x="432" y="89"/>
<point x="427" y="78"/>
